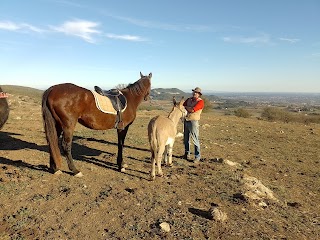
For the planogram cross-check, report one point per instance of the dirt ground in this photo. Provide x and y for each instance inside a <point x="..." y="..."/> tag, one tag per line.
<point x="257" y="180"/>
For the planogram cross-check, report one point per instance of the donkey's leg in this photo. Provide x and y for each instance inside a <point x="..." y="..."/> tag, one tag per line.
<point x="169" y="149"/>
<point x="121" y="137"/>
<point x="67" y="146"/>
<point x="165" y="155"/>
<point x="153" y="166"/>
<point x="159" y="156"/>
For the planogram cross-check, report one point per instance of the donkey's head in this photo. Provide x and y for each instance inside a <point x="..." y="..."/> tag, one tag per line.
<point x="179" y="105"/>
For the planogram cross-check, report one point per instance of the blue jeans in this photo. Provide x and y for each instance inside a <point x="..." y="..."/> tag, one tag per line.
<point x="191" y="130"/>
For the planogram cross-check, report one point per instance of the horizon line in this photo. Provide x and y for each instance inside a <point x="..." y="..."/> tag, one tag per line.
<point x="205" y="91"/>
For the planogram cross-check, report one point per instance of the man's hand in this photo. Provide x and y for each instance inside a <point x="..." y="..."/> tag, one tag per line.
<point x="189" y="109"/>
<point x="4" y="95"/>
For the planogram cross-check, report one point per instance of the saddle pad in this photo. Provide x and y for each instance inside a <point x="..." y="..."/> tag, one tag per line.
<point x="104" y="104"/>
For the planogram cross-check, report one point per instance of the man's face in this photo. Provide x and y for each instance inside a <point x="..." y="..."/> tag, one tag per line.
<point x="195" y="94"/>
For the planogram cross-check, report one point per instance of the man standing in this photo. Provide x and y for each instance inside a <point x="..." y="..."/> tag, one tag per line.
<point x="194" y="106"/>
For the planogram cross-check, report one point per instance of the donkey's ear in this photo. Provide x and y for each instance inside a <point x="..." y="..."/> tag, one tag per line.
<point x="141" y="76"/>
<point x="182" y="100"/>
<point x="174" y="101"/>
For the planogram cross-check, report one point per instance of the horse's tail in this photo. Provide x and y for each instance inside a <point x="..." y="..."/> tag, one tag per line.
<point x="50" y="126"/>
<point x="4" y="110"/>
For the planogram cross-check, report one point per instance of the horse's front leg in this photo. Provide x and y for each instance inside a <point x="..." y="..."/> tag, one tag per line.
<point x="121" y="137"/>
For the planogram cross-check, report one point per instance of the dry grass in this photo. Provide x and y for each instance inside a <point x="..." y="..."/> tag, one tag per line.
<point x="107" y="204"/>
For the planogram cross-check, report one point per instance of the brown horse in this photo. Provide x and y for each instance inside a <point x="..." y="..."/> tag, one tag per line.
<point x="66" y="104"/>
<point x="4" y="110"/>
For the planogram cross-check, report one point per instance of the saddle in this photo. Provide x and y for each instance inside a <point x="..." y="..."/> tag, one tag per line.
<point x="119" y="103"/>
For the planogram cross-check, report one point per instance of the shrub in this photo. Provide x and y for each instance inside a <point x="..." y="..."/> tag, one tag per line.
<point x="207" y="104"/>
<point x="276" y="114"/>
<point x="306" y="119"/>
<point x="241" y="112"/>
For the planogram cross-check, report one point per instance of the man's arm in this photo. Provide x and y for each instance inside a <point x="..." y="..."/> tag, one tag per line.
<point x="198" y="106"/>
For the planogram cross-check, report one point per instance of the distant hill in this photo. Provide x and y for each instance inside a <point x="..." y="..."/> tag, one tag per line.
<point x="168" y="93"/>
<point x="24" y="91"/>
<point x="156" y="93"/>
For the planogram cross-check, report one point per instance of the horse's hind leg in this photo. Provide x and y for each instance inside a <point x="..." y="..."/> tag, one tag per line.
<point x="67" y="146"/>
<point x="55" y="162"/>
<point x="55" y="166"/>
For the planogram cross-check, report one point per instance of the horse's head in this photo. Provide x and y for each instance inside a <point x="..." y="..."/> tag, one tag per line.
<point x="147" y="84"/>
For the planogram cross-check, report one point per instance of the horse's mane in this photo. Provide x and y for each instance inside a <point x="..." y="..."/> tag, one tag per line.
<point x="138" y="87"/>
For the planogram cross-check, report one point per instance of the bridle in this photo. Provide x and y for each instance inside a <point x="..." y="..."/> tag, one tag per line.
<point x="147" y="96"/>
<point x="184" y="113"/>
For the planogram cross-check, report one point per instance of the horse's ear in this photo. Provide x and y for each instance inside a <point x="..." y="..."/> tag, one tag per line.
<point x="150" y="75"/>
<point x="141" y="76"/>
<point x="174" y="101"/>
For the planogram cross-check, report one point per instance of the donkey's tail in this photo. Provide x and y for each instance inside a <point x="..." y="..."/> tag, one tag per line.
<point x="50" y="126"/>
<point x="152" y="135"/>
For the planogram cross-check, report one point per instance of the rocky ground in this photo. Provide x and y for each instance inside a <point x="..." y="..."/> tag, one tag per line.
<point x="257" y="180"/>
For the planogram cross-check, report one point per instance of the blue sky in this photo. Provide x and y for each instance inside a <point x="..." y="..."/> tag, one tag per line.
<point x="238" y="45"/>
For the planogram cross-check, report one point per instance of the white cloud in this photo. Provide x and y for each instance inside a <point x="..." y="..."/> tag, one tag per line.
<point x="290" y="40"/>
<point x="164" y="26"/>
<point x="11" y="26"/>
<point x="86" y="30"/>
<point x="79" y="28"/>
<point x="262" y="39"/>
<point x="125" y="37"/>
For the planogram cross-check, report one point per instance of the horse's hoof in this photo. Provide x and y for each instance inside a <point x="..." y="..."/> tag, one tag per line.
<point x="79" y="175"/>
<point x="160" y="174"/>
<point x="58" y="172"/>
<point x="124" y="165"/>
<point x="169" y="165"/>
<point x="123" y="169"/>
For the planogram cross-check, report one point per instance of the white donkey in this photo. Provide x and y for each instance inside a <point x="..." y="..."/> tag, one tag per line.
<point x="162" y="132"/>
